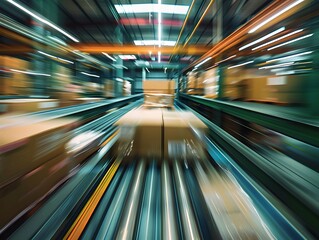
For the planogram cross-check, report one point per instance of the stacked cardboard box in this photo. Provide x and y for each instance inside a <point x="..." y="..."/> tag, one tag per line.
<point x="160" y="134"/>
<point x="27" y="105"/>
<point x="12" y="82"/>
<point x="211" y="83"/>
<point x="159" y="93"/>
<point x="33" y="160"/>
<point x="141" y="136"/>
<point x="195" y="83"/>
<point x="127" y="88"/>
<point x="234" y="84"/>
<point x="109" y="88"/>
<point x="285" y="89"/>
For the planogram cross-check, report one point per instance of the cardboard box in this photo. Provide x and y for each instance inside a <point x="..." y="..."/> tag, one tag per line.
<point x="27" y="105"/>
<point x="27" y="145"/>
<point x="160" y="100"/>
<point x="31" y="187"/>
<point x="146" y="133"/>
<point x="159" y="86"/>
<point x="256" y="89"/>
<point x="66" y="95"/>
<point x="179" y="135"/>
<point x="109" y="88"/>
<point x="289" y="83"/>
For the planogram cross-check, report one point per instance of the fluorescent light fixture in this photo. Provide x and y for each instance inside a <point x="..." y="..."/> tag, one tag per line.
<point x="165" y="69"/>
<point x="119" y="79"/>
<point x="291" y="41"/>
<point x="151" y="8"/>
<point x="64" y="60"/>
<point x="113" y="59"/>
<point x="278" y="65"/>
<point x="201" y="63"/>
<point x="242" y="64"/>
<point x="159" y="57"/>
<point x="275" y="15"/>
<point x="147" y="70"/>
<point x="43" y="20"/>
<point x="277" y="39"/>
<point x="31" y="73"/>
<point x="91" y="75"/>
<point x="262" y="38"/>
<point x="124" y="67"/>
<point x="54" y="57"/>
<point x="153" y="42"/>
<point x="291" y="56"/>
<point x="285" y="73"/>
<point x="127" y="57"/>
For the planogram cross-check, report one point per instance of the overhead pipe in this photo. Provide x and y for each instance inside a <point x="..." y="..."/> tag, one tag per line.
<point x="238" y="35"/>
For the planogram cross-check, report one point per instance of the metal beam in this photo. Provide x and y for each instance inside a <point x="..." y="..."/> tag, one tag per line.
<point x="133" y="49"/>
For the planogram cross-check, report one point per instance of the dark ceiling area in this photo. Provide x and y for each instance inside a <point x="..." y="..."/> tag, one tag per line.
<point x="99" y="22"/>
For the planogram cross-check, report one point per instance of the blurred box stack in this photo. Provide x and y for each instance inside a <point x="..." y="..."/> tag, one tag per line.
<point x="234" y="84"/>
<point x="27" y="105"/>
<point x="141" y="136"/>
<point x="211" y="83"/>
<point x="160" y="134"/>
<point x="287" y="89"/>
<point x="159" y="93"/>
<point x="127" y="88"/>
<point x="13" y="82"/>
<point x="195" y="84"/>
<point x="33" y="161"/>
<point x="109" y="88"/>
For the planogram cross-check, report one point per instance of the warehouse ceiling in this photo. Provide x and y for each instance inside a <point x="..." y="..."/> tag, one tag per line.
<point x="158" y="24"/>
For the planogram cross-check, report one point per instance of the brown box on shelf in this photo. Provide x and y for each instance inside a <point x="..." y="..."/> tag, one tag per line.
<point x="289" y="83"/>
<point x="66" y="95"/>
<point x="109" y="88"/>
<point x="256" y="89"/>
<point x="27" y="105"/>
<point x="29" y="143"/>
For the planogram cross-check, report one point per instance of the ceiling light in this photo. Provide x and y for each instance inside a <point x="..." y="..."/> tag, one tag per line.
<point x="278" y="65"/>
<point x="151" y="7"/>
<point x="113" y="59"/>
<point x="43" y="20"/>
<point x="127" y="57"/>
<point x="159" y="57"/>
<point x="275" y="15"/>
<point x="262" y="38"/>
<point x="285" y="73"/>
<point x="277" y="39"/>
<point x="54" y="57"/>
<point x="207" y="59"/>
<point x="291" y="56"/>
<point x="291" y="41"/>
<point x="118" y="66"/>
<point x="242" y="64"/>
<point x="153" y="42"/>
<point x="147" y="70"/>
<point x="30" y="73"/>
<point x="91" y="75"/>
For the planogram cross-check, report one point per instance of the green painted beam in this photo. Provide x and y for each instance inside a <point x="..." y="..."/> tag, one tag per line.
<point x="285" y="124"/>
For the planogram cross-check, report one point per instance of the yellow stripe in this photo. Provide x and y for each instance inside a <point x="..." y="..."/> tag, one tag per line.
<point x="78" y="226"/>
<point x="110" y="138"/>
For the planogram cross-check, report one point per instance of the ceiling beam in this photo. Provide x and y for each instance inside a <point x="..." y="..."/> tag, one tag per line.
<point x="133" y="49"/>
